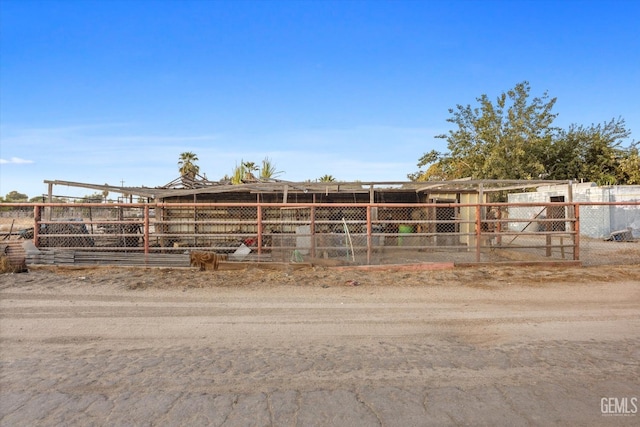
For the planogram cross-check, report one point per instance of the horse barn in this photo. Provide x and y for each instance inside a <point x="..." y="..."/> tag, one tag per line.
<point x="324" y="223"/>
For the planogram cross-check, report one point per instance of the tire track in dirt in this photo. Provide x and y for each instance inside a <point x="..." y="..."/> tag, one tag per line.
<point x="81" y="348"/>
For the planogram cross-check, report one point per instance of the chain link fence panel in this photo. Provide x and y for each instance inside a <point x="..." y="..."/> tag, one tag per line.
<point x="610" y="233"/>
<point x="333" y="234"/>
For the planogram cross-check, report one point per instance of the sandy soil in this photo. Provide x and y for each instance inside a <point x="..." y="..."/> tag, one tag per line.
<point x="319" y="346"/>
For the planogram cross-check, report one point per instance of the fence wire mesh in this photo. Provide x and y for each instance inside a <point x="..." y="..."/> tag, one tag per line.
<point x="333" y="234"/>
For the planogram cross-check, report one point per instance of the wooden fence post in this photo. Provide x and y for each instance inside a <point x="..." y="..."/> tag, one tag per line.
<point x="36" y="225"/>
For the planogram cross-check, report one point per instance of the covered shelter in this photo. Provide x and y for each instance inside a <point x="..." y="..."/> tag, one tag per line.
<point x="443" y="213"/>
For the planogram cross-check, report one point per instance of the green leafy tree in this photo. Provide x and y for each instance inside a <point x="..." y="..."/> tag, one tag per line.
<point x="187" y="164"/>
<point x="45" y="199"/>
<point x="326" y="178"/>
<point x="629" y="168"/>
<point x="593" y="153"/>
<point x="505" y="139"/>
<point x="92" y="198"/>
<point x="16" y="197"/>
<point x="514" y="138"/>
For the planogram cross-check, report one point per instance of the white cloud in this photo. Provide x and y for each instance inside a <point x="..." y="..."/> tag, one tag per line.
<point x="15" y="161"/>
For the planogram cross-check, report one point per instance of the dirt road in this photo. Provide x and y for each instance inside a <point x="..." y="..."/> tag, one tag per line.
<point x="320" y="347"/>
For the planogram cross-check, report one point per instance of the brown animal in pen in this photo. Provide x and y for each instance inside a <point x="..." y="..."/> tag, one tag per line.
<point x="206" y="260"/>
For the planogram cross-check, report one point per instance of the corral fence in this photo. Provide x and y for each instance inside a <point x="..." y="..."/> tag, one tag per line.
<point x="327" y="234"/>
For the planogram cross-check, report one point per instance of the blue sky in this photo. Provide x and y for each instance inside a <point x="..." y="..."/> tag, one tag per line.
<point x="110" y="91"/>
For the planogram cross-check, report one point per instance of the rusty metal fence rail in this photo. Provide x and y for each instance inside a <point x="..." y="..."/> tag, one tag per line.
<point x="328" y="234"/>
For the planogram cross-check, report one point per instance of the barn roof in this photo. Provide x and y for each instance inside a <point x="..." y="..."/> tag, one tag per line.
<point x="186" y="187"/>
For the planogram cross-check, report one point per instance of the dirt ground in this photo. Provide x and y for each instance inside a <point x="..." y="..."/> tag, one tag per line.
<point x="320" y="346"/>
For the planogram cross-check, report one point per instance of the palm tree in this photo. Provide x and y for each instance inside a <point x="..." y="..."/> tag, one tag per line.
<point x="268" y="170"/>
<point x="326" y="178"/>
<point x="187" y="164"/>
<point x="249" y="168"/>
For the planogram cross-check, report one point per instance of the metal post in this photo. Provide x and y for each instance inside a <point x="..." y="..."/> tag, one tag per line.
<point x="478" y="231"/>
<point x="47" y="211"/>
<point x="498" y="226"/>
<point x="369" y="237"/>
<point x="259" y="214"/>
<point x="570" y="208"/>
<point x="312" y="225"/>
<point x="146" y="231"/>
<point x="195" y="221"/>
<point x="576" y="233"/>
<point x="481" y="198"/>
<point x="548" y="227"/>
<point x="36" y="225"/>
